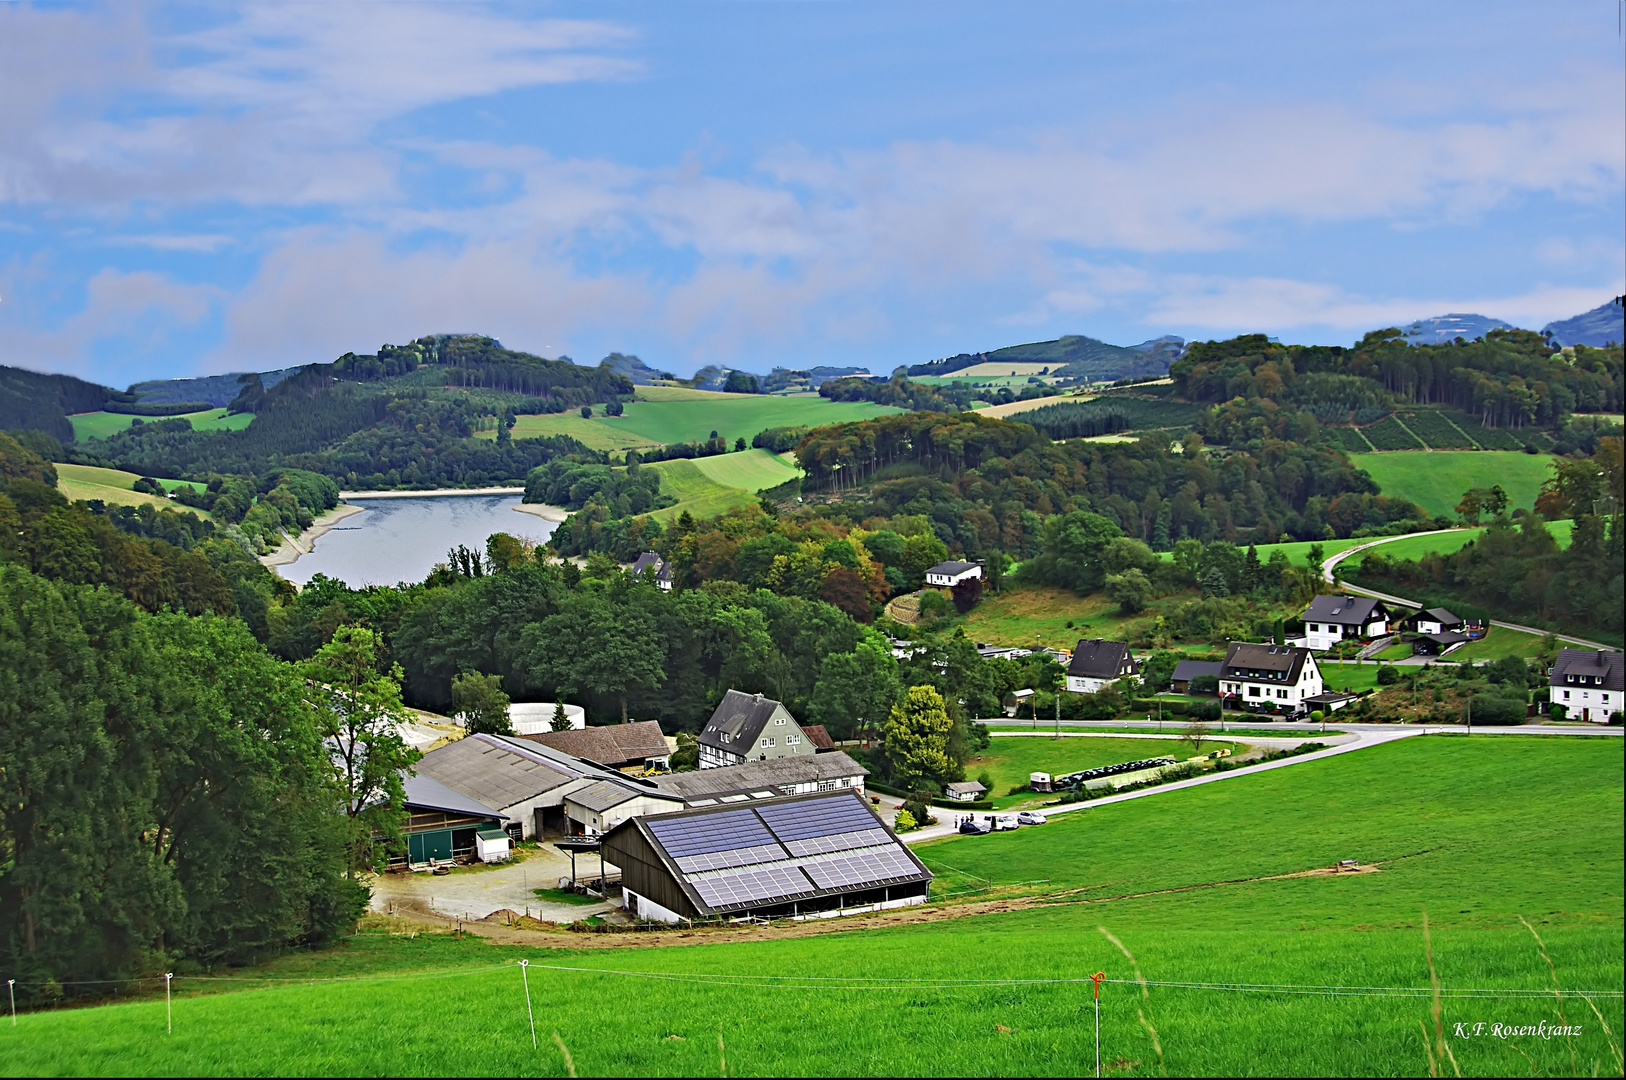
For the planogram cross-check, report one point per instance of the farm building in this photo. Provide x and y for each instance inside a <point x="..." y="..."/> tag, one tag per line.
<point x="964" y="791"/>
<point x="442" y="824"/>
<point x="949" y="574"/>
<point x="1187" y="670"/>
<point x="800" y="775"/>
<point x="532" y="717"/>
<point x="1331" y="619"/>
<point x="819" y="737"/>
<point x="1097" y="663"/>
<point x="601" y="806"/>
<point x="1276" y="678"/>
<point x="1588" y="684"/>
<point x="638" y="745"/>
<point x="1015" y="700"/>
<point x="651" y="567"/>
<point x="503" y="774"/>
<point x="806" y="857"/>
<point x="750" y="727"/>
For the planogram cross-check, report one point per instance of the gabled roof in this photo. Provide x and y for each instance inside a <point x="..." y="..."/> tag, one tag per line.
<point x="819" y="737"/>
<point x="752" y="776"/>
<point x="741" y="717"/>
<point x="1439" y="615"/>
<point x="1186" y="670"/>
<point x="605" y="794"/>
<point x="613" y="744"/>
<point x="485" y="768"/>
<point x="427" y="793"/>
<point x="738" y="857"/>
<point x="1342" y="610"/>
<point x="1095" y="658"/>
<point x="1610" y="665"/>
<point x="965" y="786"/>
<point x="951" y="568"/>
<point x="1264" y="663"/>
<point x="648" y="561"/>
<point x="1446" y="637"/>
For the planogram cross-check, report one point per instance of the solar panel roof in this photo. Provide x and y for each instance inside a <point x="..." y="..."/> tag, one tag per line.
<point x="783" y="882"/>
<point x="719" y="860"/>
<point x="817" y="817"/>
<point x="818" y="845"/>
<point x="707" y="833"/>
<point x="871" y="865"/>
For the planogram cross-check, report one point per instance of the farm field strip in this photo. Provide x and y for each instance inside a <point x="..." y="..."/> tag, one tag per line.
<point x="1436" y="480"/>
<point x="1252" y="962"/>
<point x="100" y="425"/>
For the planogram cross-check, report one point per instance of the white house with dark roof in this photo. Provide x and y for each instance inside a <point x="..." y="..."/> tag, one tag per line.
<point x="1269" y="677"/>
<point x="750" y="727"/>
<point x="1331" y="619"/>
<point x="1096" y="663"/>
<point x="946" y="575"/>
<point x="653" y="568"/>
<point x="1588" y="684"/>
<point x="1436" y="620"/>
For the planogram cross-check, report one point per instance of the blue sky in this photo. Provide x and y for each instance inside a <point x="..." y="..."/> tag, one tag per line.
<point x="191" y="189"/>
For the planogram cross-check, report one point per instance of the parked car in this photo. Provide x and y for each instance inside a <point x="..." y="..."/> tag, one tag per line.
<point x="973" y="827"/>
<point x="1005" y="823"/>
<point x="1030" y="817"/>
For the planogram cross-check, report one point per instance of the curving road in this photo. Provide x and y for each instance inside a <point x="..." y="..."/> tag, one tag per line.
<point x="1334" y="560"/>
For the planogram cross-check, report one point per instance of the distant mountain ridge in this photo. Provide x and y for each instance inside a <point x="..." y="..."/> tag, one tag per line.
<point x="1072" y="356"/>
<point x="1603" y="325"/>
<point x="1443" y="328"/>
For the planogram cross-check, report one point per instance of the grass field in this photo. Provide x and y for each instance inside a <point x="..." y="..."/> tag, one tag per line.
<point x="1500" y="642"/>
<point x="668" y="414"/>
<point x="1436" y="481"/>
<point x="1434" y="813"/>
<point x="1010" y="759"/>
<point x="113" y="486"/>
<point x="1033" y="615"/>
<point x="99" y="425"/>
<point x="714" y="485"/>
<point x="1349" y="678"/>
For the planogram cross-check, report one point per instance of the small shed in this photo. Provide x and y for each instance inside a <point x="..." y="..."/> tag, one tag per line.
<point x="964" y="791"/>
<point x="1015" y="700"/>
<point x="493" y="845"/>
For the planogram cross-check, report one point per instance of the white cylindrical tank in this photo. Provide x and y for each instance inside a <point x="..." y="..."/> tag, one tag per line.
<point x="535" y="717"/>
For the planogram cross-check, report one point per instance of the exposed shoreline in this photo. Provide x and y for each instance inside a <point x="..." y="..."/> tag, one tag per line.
<point x="555" y="514"/>
<point x="292" y="548"/>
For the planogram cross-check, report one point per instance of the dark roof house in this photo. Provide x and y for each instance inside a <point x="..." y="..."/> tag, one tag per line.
<point x="1095" y="658"/>
<point x="618" y="746"/>
<point x="1344" y="610"/>
<point x="1273" y="663"/>
<point x="1583" y="667"/>
<point x="654" y="568"/>
<point x="807" y="856"/>
<point x="749" y="727"/>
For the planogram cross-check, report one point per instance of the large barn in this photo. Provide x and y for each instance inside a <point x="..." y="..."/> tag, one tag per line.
<point x="806" y="857"/>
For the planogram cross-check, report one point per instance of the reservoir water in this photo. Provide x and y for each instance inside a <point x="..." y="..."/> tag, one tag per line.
<point x="401" y="539"/>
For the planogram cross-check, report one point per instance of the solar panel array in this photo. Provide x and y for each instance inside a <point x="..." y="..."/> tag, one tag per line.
<point x="722" y="860"/>
<point x="707" y="833"/>
<point x="817" y="817"/>
<point x="871" y="865"/>
<point x="784" y="882"/>
<point x="780" y="852"/>
<point x="819" y="845"/>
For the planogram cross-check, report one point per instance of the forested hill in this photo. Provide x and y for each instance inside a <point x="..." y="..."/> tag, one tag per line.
<point x="1072" y="356"/>
<point x="33" y="401"/>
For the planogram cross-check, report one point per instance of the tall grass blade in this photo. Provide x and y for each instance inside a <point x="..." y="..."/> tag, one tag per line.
<point x="1146" y="996"/>
<point x="722" y="1054"/>
<point x="1558" y="995"/>
<point x="1442" y="1050"/>
<point x="570" y="1063"/>
<point x="1614" y="1047"/>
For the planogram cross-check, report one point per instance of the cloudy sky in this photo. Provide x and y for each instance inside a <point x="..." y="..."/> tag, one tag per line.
<point x="206" y="188"/>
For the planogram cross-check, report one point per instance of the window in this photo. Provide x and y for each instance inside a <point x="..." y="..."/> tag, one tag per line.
<point x="793" y="740"/>
<point x="1314" y="629"/>
<point x="768" y="741"/>
<point x="1566" y="695"/>
<point x="827" y="785"/>
<point x="1281" y="693"/>
<point x="1253" y="691"/>
<point x="725" y="736"/>
<point x="780" y="721"/>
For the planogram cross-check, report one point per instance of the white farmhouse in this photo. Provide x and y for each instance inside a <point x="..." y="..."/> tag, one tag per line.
<point x="1331" y="619"/>
<point x="1097" y="663"/>
<point x="946" y="575"/>
<point x="1588" y="684"/>
<point x="1266" y="677"/>
<point x="750" y="727"/>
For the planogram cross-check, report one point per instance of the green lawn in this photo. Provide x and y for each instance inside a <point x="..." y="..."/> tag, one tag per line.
<point x="1010" y="759"/>
<point x="99" y="425"/>
<point x="1500" y="642"/>
<point x="1434" y="813"/>
<point x="1348" y="678"/>
<point x="1436" y="479"/>
<point x="714" y="485"/>
<point x="1032" y="615"/>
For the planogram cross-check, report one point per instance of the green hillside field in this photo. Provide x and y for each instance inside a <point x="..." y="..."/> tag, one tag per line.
<point x="99" y="425"/>
<point x="672" y="414"/>
<point x="1190" y="882"/>
<point x="714" y="485"/>
<point x="1435" y="480"/>
<point x="113" y="486"/>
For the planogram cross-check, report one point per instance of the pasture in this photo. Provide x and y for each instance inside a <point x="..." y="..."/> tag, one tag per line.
<point x="1435" y="480"/>
<point x="660" y="415"/>
<point x="1010" y="759"/>
<point x="1005" y="993"/>
<point x="715" y="485"/>
<point x="100" y="425"/>
<point x="113" y="486"/>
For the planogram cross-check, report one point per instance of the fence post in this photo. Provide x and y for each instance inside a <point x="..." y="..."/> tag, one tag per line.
<point x="11" y="988"/>
<point x="523" y="964"/>
<point x="169" y="1019"/>
<point x="1096" y="980"/>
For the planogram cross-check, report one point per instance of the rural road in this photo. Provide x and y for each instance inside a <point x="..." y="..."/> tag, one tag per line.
<point x="1334" y="560"/>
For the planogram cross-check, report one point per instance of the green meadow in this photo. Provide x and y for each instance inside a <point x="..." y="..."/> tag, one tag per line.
<point x="113" y="486"/>
<point x="715" y="485"/>
<point x="99" y="425"/>
<point x="1436" y="479"/>
<point x="1479" y="832"/>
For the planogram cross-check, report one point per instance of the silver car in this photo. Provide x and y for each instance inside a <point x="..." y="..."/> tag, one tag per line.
<point x="1030" y="817"/>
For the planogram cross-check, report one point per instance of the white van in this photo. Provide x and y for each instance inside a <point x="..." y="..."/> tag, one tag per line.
<point x="1006" y="822"/>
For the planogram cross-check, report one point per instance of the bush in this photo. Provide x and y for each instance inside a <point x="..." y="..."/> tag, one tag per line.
<point x="1495" y="710"/>
<point x="1205" y="684"/>
<point x="904" y="822"/>
<point x="1388" y="675"/>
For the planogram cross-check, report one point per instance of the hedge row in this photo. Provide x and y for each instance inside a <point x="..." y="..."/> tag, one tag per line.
<point x="1349" y="440"/>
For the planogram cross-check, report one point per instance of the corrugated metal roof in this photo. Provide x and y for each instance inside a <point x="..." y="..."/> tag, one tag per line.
<point x="484" y="768"/>
<point x="755" y="775"/>
<point x="427" y="793"/>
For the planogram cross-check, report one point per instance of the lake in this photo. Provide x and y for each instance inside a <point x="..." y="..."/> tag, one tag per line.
<point x="401" y="539"/>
